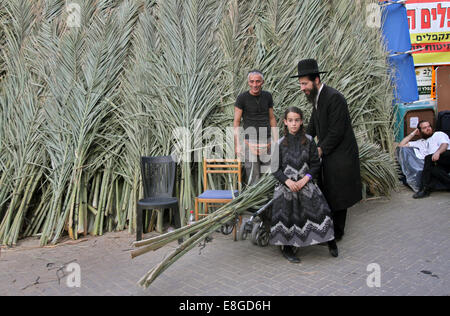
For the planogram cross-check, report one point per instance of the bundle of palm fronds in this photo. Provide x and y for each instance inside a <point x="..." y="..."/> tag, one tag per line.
<point x="254" y="197"/>
<point x="58" y="127"/>
<point x="79" y="105"/>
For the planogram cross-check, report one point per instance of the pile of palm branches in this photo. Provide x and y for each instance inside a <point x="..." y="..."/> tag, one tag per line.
<point x="79" y="105"/>
<point x="200" y="231"/>
<point x="61" y="139"/>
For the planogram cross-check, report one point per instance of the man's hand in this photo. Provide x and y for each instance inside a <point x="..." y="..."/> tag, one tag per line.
<point x="254" y="149"/>
<point x="409" y="137"/>
<point x="320" y="152"/>
<point x="436" y="156"/>
<point x="258" y="149"/>
<point x="238" y="150"/>
<point x="442" y="149"/>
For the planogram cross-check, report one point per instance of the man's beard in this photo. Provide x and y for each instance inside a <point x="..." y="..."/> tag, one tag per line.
<point x="311" y="97"/>
<point x="425" y="136"/>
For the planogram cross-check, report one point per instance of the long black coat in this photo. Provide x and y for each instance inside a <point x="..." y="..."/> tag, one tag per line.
<point x="330" y="122"/>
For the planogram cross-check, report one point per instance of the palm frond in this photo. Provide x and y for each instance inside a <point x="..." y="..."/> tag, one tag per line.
<point x="80" y="105"/>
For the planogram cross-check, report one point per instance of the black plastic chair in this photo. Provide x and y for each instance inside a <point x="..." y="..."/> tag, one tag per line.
<point x="158" y="178"/>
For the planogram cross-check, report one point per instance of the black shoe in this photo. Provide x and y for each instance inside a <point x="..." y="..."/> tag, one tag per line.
<point x="332" y="247"/>
<point x="421" y="194"/>
<point x="288" y="253"/>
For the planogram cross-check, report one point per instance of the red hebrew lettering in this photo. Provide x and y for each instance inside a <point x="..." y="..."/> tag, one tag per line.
<point x="431" y="48"/>
<point x="434" y="14"/>
<point x="426" y="19"/>
<point x="412" y="19"/>
<point x="441" y="11"/>
<point x="448" y="16"/>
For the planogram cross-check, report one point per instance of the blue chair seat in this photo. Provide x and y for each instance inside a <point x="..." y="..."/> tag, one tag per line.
<point x="218" y="194"/>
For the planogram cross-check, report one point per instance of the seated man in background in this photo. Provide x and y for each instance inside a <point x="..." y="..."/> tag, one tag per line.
<point x="433" y="147"/>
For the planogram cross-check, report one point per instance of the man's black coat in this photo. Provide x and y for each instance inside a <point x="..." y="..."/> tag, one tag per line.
<point x="330" y="122"/>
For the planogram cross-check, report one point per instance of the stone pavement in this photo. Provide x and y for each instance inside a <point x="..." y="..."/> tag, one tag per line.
<point x="408" y="239"/>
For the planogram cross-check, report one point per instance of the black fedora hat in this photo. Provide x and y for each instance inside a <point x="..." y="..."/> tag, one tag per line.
<point x="308" y="67"/>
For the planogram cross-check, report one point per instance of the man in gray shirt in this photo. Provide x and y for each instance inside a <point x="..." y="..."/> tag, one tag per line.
<point x="255" y="108"/>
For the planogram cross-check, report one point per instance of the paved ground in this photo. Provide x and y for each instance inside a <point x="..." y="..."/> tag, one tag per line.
<point x="408" y="239"/>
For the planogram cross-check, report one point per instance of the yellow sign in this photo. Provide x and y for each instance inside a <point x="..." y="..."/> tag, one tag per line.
<point x="429" y="27"/>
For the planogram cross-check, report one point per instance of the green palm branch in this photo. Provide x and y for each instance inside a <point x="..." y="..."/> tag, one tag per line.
<point x="80" y="105"/>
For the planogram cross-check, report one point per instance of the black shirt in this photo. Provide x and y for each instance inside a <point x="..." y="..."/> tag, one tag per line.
<point x="256" y="111"/>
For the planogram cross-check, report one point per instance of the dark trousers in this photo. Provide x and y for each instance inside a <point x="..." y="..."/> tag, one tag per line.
<point x="339" y="217"/>
<point x="436" y="170"/>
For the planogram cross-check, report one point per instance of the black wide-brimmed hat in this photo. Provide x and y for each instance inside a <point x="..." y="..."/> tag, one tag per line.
<point x="308" y="67"/>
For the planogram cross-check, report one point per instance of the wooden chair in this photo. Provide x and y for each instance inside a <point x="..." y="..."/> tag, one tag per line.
<point x="218" y="166"/>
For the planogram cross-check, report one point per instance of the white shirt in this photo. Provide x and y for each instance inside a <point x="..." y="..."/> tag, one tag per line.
<point x="425" y="147"/>
<point x="318" y="94"/>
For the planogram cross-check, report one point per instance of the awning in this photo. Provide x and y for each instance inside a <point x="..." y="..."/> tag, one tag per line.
<point x="398" y="43"/>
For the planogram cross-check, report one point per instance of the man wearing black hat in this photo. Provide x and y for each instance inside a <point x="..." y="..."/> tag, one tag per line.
<point x="330" y="122"/>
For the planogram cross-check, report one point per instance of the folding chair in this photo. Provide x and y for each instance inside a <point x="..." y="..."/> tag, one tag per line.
<point x="218" y="166"/>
